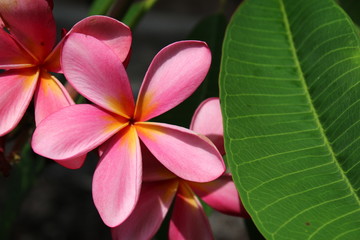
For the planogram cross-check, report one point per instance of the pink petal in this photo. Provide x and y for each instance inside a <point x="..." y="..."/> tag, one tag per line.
<point x="117" y="178"/>
<point x="12" y="55"/>
<point x="32" y="23"/>
<point x="182" y="151"/>
<point x="108" y="30"/>
<point x="174" y="74"/>
<point x="52" y="62"/>
<point x="153" y="169"/>
<point x="50" y="97"/>
<point x="97" y="73"/>
<point x="72" y="163"/>
<point x="188" y="220"/>
<point x="220" y="194"/>
<point x="207" y="120"/>
<point x="151" y="208"/>
<point x="73" y="131"/>
<point x="17" y="87"/>
<point x="2" y="24"/>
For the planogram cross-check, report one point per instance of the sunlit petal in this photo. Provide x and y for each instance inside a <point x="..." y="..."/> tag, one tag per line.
<point x="182" y="151"/>
<point x="117" y="178"/>
<point x="174" y="74"/>
<point x="73" y="131"/>
<point x="108" y="30"/>
<point x="96" y="72"/>
<point x="50" y="97"/>
<point x="18" y="88"/>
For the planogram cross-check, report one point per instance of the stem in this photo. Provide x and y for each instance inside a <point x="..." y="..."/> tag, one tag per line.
<point x="119" y="8"/>
<point x="137" y="11"/>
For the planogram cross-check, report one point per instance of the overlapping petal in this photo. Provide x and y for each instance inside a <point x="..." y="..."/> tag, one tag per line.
<point x="73" y="131"/>
<point x="108" y="30"/>
<point x="50" y="96"/>
<point x="182" y="151"/>
<point x="220" y="194"/>
<point x="117" y="178"/>
<point x="52" y="62"/>
<point x="152" y="206"/>
<point x="19" y="86"/>
<point x="207" y="120"/>
<point x="97" y="74"/>
<point x="188" y="220"/>
<point x="174" y="74"/>
<point x="72" y="163"/>
<point x="32" y="23"/>
<point x="12" y="54"/>
<point x="153" y="169"/>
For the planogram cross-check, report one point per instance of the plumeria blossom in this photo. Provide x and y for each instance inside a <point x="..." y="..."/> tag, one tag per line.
<point x="29" y="55"/>
<point x="116" y="124"/>
<point x="160" y="187"/>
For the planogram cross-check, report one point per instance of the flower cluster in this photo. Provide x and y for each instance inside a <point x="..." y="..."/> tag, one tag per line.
<point x="143" y="164"/>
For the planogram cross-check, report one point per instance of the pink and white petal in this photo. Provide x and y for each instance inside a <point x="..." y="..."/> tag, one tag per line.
<point x="182" y="151"/>
<point x="174" y="74"/>
<point x="74" y="131"/>
<point x="151" y="208"/>
<point x="117" y="178"/>
<point x="207" y="120"/>
<point x="153" y="170"/>
<point x="108" y="30"/>
<point x="96" y="72"/>
<point x="17" y="87"/>
<point x="12" y="54"/>
<point x="38" y="35"/>
<point x="220" y="194"/>
<point x="50" y="97"/>
<point x="188" y="220"/>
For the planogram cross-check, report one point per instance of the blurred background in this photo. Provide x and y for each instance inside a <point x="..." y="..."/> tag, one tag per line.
<point x="59" y="205"/>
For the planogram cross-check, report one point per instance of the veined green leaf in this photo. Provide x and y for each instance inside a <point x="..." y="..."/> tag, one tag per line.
<point x="290" y="97"/>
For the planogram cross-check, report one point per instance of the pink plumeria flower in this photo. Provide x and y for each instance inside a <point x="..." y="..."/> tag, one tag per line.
<point x="188" y="220"/>
<point x="117" y="124"/>
<point x="27" y="40"/>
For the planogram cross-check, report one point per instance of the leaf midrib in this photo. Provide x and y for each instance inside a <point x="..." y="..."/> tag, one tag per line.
<point x="308" y="97"/>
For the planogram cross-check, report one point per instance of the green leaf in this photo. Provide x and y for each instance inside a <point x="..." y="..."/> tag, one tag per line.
<point x="211" y="30"/>
<point x="290" y="97"/>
